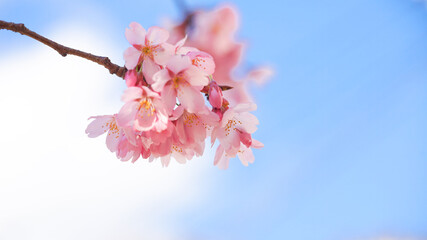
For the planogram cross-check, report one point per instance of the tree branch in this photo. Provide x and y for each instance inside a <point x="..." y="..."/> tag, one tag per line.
<point x="63" y="50"/>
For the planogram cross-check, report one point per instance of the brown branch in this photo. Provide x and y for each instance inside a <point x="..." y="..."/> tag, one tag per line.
<point x="63" y="50"/>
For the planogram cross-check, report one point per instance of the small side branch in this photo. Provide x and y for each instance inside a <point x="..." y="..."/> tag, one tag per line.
<point x="63" y="50"/>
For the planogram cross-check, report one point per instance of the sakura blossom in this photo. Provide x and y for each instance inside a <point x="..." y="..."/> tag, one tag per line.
<point x="180" y="92"/>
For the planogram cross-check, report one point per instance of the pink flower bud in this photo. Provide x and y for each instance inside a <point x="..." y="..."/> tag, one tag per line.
<point x="215" y="95"/>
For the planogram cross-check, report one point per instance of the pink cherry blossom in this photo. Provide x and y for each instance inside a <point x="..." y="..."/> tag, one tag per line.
<point x="201" y="60"/>
<point x="143" y="110"/>
<point x="183" y="80"/>
<point x="234" y="134"/>
<point x="150" y="46"/>
<point x="102" y="124"/>
<point x="193" y="128"/>
<point x="165" y="114"/>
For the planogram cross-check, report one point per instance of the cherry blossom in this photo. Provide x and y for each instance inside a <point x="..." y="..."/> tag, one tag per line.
<point x="183" y="80"/>
<point x="180" y="94"/>
<point x="143" y="110"/>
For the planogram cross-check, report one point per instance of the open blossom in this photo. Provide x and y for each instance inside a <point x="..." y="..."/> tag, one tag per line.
<point x="234" y="134"/>
<point x="149" y="45"/>
<point x="202" y="60"/>
<point x="149" y="50"/>
<point x="183" y="80"/>
<point x="143" y="110"/>
<point x="193" y="127"/>
<point x="103" y="124"/>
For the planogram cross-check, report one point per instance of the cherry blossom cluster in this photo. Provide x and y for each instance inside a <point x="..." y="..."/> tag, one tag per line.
<point x="178" y="96"/>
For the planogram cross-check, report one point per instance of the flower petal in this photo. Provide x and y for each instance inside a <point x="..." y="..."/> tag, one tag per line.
<point x="221" y="160"/>
<point x="196" y="77"/>
<point x="160" y="79"/>
<point x="149" y="68"/>
<point x="203" y="61"/>
<point x="161" y="55"/>
<point x="169" y="98"/>
<point x="179" y="44"/>
<point x="191" y="99"/>
<point x="156" y="35"/>
<point x="246" y="156"/>
<point x="98" y="126"/>
<point x="127" y="113"/>
<point x="178" y="63"/>
<point x="131" y="57"/>
<point x="135" y="34"/>
<point x="113" y="138"/>
<point x="145" y="119"/>
<point x="257" y="144"/>
<point x="131" y="94"/>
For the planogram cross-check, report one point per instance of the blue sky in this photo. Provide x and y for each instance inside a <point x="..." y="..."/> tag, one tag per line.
<point x="343" y="120"/>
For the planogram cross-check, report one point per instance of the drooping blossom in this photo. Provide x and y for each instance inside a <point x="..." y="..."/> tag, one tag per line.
<point x="103" y="124"/>
<point x="143" y="110"/>
<point x="234" y="134"/>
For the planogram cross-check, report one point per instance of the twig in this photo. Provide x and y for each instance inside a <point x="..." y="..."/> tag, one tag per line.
<point x="63" y="50"/>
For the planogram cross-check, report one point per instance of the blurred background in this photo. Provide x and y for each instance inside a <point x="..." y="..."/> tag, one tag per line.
<point x="343" y="121"/>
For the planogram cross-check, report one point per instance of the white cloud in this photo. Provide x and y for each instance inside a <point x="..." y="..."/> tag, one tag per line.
<point x="55" y="183"/>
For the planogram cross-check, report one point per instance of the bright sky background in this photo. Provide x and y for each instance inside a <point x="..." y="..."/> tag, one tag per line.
<point x="343" y="122"/>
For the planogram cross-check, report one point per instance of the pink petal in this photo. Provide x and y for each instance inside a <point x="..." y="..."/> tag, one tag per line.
<point x="130" y="135"/>
<point x="203" y="61"/>
<point x="169" y="98"/>
<point x="162" y="120"/>
<point x="178" y="63"/>
<point x="257" y="144"/>
<point x="144" y="119"/>
<point x="221" y="160"/>
<point x="185" y="50"/>
<point x="157" y="35"/>
<point x="245" y="107"/>
<point x="131" y="57"/>
<point x="112" y="139"/>
<point x="127" y="113"/>
<point x="149" y="68"/>
<point x="245" y="138"/>
<point x="246" y="156"/>
<point x="131" y="94"/>
<point x="196" y="77"/>
<point x="177" y="112"/>
<point x="148" y="93"/>
<point x="191" y="99"/>
<point x="162" y="54"/>
<point x="179" y="157"/>
<point x="98" y="126"/>
<point x="160" y="79"/>
<point x="165" y="161"/>
<point x="218" y="154"/>
<point x="248" y="122"/>
<point x="135" y="34"/>
<point x="180" y="43"/>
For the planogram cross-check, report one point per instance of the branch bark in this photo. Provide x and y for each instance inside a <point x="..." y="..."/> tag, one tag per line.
<point x="63" y="50"/>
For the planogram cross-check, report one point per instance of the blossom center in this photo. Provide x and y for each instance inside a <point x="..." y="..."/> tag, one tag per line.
<point x="147" y="51"/>
<point x="113" y="129"/>
<point x="231" y="126"/>
<point x="176" y="81"/>
<point x="146" y="106"/>
<point x="190" y="119"/>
